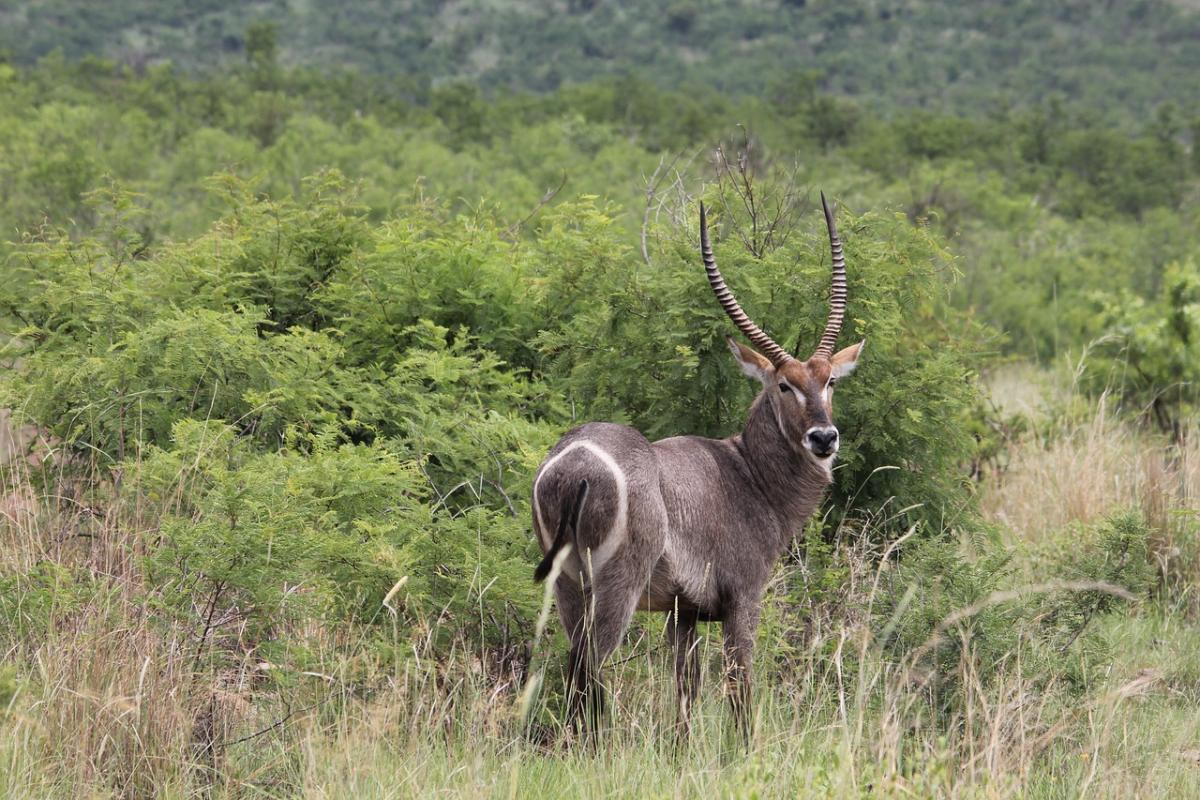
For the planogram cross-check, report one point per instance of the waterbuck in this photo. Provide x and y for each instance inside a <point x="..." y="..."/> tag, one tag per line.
<point x="689" y="526"/>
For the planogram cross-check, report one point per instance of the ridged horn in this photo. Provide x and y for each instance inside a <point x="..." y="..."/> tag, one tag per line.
<point x="837" y="294"/>
<point x="763" y="343"/>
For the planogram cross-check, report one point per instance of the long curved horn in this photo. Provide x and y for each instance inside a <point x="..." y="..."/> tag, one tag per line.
<point x="763" y="343"/>
<point x="837" y="295"/>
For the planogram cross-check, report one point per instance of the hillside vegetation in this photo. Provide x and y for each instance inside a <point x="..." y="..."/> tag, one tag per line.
<point x="1117" y="59"/>
<point x="286" y="342"/>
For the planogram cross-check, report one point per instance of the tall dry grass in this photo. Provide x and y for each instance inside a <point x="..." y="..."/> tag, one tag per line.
<point x="1077" y="467"/>
<point x="1082" y="470"/>
<point x="113" y="698"/>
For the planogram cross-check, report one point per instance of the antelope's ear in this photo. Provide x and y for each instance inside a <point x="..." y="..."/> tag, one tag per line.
<point x="753" y="364"/>
<point x="844" y="361"/>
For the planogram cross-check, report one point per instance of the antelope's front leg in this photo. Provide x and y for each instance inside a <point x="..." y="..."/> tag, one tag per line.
<point x="739" y="627"/>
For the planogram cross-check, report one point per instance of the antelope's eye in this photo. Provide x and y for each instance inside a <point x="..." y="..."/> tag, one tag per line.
<point x="783" y="387"/>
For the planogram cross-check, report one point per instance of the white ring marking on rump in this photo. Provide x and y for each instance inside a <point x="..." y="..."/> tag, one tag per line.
<point x="616" y="534"/>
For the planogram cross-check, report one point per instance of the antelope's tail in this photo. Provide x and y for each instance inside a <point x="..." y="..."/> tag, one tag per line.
<point x="568" y="526"/>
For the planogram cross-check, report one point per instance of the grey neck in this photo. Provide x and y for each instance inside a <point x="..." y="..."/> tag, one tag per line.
<point x="791" y="483"/>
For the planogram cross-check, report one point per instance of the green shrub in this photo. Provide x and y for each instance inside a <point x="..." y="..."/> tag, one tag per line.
<point x="305" y="453"/>
<point x="1114" y="555"/>
<point x="1150" y="351"/>
<point x="317" y="534"/>
<point x="285" y="534"/>
<point x="35" y="601"/>
<point x="936" y="615"/>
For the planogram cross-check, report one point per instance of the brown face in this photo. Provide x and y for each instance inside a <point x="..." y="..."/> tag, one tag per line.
<point x="801" y="394"/>
<point x="805" y="405"/>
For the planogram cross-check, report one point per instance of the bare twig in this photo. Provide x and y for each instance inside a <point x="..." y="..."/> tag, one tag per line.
<point x="651" y="190"/>
<point x="512" y="230"/>
<point x="279" y="723"/>
<point x="770" y="213"/>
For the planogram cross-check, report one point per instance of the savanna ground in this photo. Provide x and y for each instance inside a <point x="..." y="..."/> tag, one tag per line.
<point x="114" y="707"/>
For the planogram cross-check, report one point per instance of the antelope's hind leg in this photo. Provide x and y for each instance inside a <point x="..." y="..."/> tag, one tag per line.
<point x="681" y="633"/>
<point x="608" y="608"/>
<point x="572" y="610"/>
<point x="572" y="606"/>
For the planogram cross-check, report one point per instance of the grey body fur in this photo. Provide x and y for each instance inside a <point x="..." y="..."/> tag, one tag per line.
<point x="706" y="521"/>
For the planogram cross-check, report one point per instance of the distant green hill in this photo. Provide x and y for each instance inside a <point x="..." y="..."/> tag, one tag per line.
<point x="1118" y="58"/>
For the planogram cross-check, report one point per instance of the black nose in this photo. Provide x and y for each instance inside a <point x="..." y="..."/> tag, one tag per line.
<point x="822" y="440"/>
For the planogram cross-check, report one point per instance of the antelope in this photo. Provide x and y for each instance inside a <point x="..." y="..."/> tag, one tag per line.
<point x="689" y="526"/>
